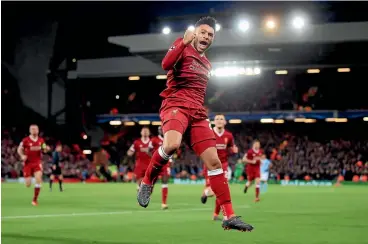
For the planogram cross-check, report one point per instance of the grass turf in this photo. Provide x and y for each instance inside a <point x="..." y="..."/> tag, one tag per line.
<point x="108" y="213"/>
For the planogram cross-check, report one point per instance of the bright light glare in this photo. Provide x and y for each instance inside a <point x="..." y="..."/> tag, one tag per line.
<point x="191" y="28"/>
<point x="298" y="23"/>
<point x="257" y="71"/>
<point x="243" y="25"/>
<point x="218" y="27"/>
<point x="166" y="30"/>
<point x="117" y="96"/>
<point x="270" y="24"/>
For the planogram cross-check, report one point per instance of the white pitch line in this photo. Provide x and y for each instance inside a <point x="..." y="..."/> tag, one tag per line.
<point x="103" y="213"/>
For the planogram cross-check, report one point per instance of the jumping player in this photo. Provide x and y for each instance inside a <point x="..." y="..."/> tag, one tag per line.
<point x="156" y="143"/>
<point x="253" y="160"/>
<point x="182" y="111"/>
<point x="56" y="167"/>
<point x="141" y="149"/>
<point x="225" y="145"/>
<point x="265" y="171"/>
<point x="30" y="152"/>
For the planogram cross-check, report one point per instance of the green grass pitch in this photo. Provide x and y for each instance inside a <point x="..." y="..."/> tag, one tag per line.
<point x="109" y="214"/>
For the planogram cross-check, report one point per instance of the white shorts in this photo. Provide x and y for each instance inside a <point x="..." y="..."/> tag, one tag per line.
<point x="264" y="176"/>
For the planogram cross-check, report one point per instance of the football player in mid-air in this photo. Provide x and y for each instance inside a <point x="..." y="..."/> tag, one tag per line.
<point x="183" y="114"/>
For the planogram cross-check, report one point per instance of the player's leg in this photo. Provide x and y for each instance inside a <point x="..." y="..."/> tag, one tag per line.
<point x="264" y="185"/>
<point x="27" y="174"/>
<point x="217" y="210"/>
<point x="174" y="126"/>
<point x="258" y="186"/>
<point x="52" y="177"/>
<point x="207" y="191"/>
<point x="250" y="179"/>
<point x="37" y="188"/>
<point x="60" y="182"/>
<point x="204" y="144"/>
<point x="165" y="187"/>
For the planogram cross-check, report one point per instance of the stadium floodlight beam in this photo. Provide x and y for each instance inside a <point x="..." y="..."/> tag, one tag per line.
<point x="256" y="71"/>
<point x="298" y="23"/>
<point x="166" y="30"/>
<point x="243" y="25"/>
<point x="271" y="24"/>
<point x="218" y="27"/>
<point x="191" y="28"/>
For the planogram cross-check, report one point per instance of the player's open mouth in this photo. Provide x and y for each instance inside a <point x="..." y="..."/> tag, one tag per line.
<point x="203" y="44"/>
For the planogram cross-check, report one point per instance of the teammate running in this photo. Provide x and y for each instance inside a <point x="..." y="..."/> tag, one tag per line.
<point x="253" y="160"/>
<point x="30" y="152"/>
<point x="182" y="111"/>
<point x="225" y="145"/>
<point x="56" y="167"/>
<point x="141" y="149"/>
<point x="156" y="143"/>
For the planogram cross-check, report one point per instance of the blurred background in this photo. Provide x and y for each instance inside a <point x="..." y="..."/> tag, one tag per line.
<point x="291" y="74"/>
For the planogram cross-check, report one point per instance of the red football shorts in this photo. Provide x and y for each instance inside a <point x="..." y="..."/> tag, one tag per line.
<point x="140" y="171"/>
<point x="190" y="122"/>
<point x="205" y="173"/>
<point x="253" y="173"/>
<point x="31" y="168"/>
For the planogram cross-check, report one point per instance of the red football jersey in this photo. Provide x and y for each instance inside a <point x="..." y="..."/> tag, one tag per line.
<point x="141" y="150"/>
<point x="188" y="73"/>
<point x="32" y="149"/>
<point x="156" y="142"/>
<point x="224" y="141"/>
<point x="251" y="154"/>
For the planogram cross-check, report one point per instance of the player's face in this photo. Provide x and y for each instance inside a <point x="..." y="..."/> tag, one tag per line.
<point x="256" y="145"/>
<point x="59" y="148"/>
<point x="220" y="121"/>
<point x="145" y="132"/>
<point x="33" y="130"/>
<point x="204" y="38"/>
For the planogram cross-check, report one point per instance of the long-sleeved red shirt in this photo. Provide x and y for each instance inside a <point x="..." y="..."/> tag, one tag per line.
<point x="188" y="73"/>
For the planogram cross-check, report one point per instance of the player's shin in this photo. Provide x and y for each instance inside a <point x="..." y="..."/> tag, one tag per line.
<point x="159" y="159"/>
<point x="60" y="184"/>
<point x="257" y="190"/>
<point x="37" y="190"/>
<point x="221" y="189"/>
<point x="165" y="192"/>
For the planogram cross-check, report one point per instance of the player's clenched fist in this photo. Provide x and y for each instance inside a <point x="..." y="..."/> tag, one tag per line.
<point x="188" y="37"/>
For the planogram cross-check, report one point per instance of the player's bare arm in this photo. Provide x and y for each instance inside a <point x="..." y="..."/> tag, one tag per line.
<point x="248" y="161"/>
<point x="130" y="151"/>
<point x="20" y="151"/>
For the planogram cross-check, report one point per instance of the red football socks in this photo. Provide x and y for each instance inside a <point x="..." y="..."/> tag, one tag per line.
<point x="217" y="209"/>
<point x="155" y="166"/>
<point x="165" y="191"/>
<point x="36" y="192"/>
<point x="221" y="189"/>
<point x="257" y="190"/>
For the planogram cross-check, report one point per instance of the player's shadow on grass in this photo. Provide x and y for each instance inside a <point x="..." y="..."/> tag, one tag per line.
<point x="19" y="238"/>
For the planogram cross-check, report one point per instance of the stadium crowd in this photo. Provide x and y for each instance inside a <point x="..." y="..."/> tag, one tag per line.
<point x="293" y="154"/>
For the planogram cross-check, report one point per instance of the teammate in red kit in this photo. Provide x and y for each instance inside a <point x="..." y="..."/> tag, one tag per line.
<point x="141" y="149"/>
<point x="182" y="111"/>
<point x="224" y="145"/>
<point x="156" y="143"/>
<point x="253" y="170"/>
<point x="30" y="151"/>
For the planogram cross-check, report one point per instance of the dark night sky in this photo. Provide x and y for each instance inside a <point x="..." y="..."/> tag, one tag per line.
<point x="93" y="22"/>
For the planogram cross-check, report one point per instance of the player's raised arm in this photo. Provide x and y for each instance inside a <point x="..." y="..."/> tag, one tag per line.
<point x="175" y="51"/>
<point x="131" y="151"/>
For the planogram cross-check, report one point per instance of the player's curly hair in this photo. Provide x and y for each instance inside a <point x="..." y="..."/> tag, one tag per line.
<point x="208" y="20"/>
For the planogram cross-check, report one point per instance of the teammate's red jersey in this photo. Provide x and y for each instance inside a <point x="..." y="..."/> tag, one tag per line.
<point x="188" y="74"/>
<point x="156" y="142"/>
<point x="141" y="150"/>
<point x="251" y="154"/>
<point x="33" y="149"/>
<point x="224" y="142"/>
